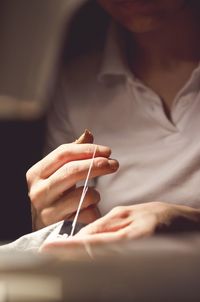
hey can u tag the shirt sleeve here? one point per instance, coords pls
(59, 129)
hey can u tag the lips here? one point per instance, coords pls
(130, 1)
(140, 6)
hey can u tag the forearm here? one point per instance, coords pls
(190, 213)
(184, 218)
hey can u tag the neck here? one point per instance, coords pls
(175, 41)
(167, 55)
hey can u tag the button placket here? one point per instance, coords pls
(153, 105)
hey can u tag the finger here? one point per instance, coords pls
(129, 233)
(112, 222)
(67, 176)
(88, 215)
(85, 138)
(75, 242)
(86, 247)
(68, 204)
(137, 232)
(62, 155)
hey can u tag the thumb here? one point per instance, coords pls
(85, 138)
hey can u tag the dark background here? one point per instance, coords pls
(21, 146)
(22, 142)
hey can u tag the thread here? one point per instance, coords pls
(85, 188)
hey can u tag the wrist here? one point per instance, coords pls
(180, 218)
(190, 213)
(188, 219)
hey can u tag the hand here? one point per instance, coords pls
(127, 223)
(52, 182)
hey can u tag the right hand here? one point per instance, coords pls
(52, 183)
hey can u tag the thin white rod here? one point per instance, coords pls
(85, 188)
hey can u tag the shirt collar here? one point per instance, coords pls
(114, 65)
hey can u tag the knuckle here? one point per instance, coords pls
(93, 196)
(61, 152)
(47, 217)
(117, 210)
(33, 196)
(101, 163)
(29, 176)
(72, 169)
(32, 175)
(36, 194)
(89, 150)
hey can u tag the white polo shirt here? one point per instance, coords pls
(159, 159)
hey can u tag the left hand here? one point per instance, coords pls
(127, 223)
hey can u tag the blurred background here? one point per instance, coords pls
(32, 47)
(31, 35)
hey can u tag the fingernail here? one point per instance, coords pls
(85, 138)
(114, 165)
(105, 150)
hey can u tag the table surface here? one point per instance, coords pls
(162, 268)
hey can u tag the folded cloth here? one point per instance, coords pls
(33, 241)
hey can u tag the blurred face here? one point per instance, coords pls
(142, 15)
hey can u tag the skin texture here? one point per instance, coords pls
(126, 223)
(159, 58)
(52, 182)
(163, 45)
(144, 15)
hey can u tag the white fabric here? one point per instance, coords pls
(32, 242)
(159, 159)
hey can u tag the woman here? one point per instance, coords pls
(139, 96)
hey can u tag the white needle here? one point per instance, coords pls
(85, 188)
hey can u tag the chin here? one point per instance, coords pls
(142, 25)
